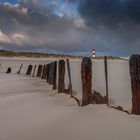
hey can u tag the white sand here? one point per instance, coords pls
(30, 110)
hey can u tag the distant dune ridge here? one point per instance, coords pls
(6, 53)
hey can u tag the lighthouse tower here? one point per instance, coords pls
(93, 53)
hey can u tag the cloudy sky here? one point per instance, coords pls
(74, 27)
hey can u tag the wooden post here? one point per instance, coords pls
(135, 83)
(34, 71)
(69, 75)
(48, 70)
(9, 70)
(39, 71)
(106, 79)
(49, 76)
(43, 73)
(29, 70)
(86, 76)
(55, 75)
(61, 76)
(51, 73)
(20, 69)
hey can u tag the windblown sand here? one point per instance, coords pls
(30, 110)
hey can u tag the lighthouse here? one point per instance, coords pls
(93, 53)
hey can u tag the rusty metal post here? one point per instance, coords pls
(135, 83)
(61, 76)
(106, 79)
(39, 71)
(55, 75)
(86, 76)
(29, 70)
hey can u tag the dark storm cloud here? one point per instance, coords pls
(110, 12)
(115, 22)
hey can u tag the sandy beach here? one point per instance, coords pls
(30, 110)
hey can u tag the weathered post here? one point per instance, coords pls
(106, 79)
(39, 71)
(8, 70)
(69, 75)
(61, 76)
(34, 71)
(20, 69)
(86, 76)
(47, 69)
(55, 75)
(43, 73)
(29, 70)
(135, 83)
(51, 73)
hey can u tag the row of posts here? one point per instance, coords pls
(134, 63)
(49, 72)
